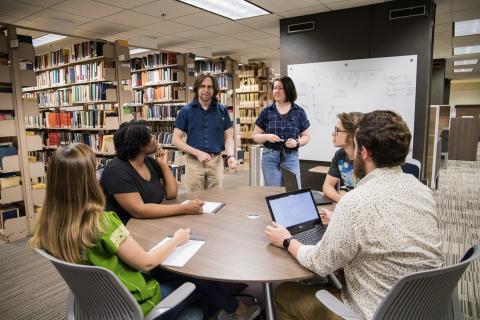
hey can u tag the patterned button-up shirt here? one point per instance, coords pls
(382, 230)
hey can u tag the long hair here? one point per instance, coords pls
(198, 81)
(350, 122)
(73, 206)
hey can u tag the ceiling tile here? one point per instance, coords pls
(442, 35)
(201, 19)
(349, 4)
(460, 5)
(126, 4)
(229, 28)
(32, 33)
(131, 18)
(273, 42)
(303, 12)
(7, 19)
(240, 45)
(262, 22)
(168, 27)
(284, 5)
(443, 6)
(169, 40)
(273, 31)
(43, 3)
(103, 28)
(443, 18)
(16, 9)
(195, 34)
(87, 34)
(143, 41)
(466, 15)
(442, 27)
(251, 35)
(171, 9)
(219, 40)
(466, 41)
(133, 33)
(86, 8)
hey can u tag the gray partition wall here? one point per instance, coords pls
(388, 29)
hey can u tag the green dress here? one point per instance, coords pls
(104, 254)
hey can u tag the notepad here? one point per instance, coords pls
(181, 254)
(210, 207)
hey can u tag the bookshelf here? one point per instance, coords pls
(17, 170)
(159, 82)
(253, 94)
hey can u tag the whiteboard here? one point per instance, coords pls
(324, 89)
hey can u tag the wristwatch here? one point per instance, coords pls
(286, 242)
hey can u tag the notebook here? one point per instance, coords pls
(180, 256)
(291, 184)
(210, 207)
(297, 212)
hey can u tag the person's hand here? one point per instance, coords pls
(325, 215)
(161, 156)
(194, 206)
(273, 138)
(181, 236)
(291, 143)
(232, 162)
(203, 156)
(276, 234)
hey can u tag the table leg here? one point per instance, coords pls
(269, 307)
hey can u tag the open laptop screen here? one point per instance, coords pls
(293, 208)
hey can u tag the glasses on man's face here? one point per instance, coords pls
(337, 130)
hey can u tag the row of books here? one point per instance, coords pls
(77, 119)
(98, 142)
(164, 137)
(250, 97)
(213, 66)
(160, 112)
(54, 98)
(248, 116)
(224, 81)
(91, 92)
(36, 121)
(75, 74)
(250, 84)
(165, 93)
(160, 76)
(155, 61)
(224, 98)
(73, 53)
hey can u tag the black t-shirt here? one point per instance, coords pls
(120, 177)
(342, 168)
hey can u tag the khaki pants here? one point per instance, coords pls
(297, 301)
(203, 175)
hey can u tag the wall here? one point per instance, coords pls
(367, 32)
(465, 92)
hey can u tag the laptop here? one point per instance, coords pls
(297, 212)
(291, 184)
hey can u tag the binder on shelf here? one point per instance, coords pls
(124, 54)
(38, 196)
(10, 163)
(7, 212)
(11, 194)
(125, 71)
(111, 123)
(7, 128)
(27, 78)
(26, 51)
(15, 229)
(37, 169)
(34, 143)
(111, 94)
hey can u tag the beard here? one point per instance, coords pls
(359, 169)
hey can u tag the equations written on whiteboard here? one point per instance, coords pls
(325, 89)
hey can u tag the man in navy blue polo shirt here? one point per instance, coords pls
(208, 128)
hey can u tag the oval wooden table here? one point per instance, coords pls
(236, 248)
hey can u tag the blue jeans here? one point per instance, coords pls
(271, 170)
(210, 290)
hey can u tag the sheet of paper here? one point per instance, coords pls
(209, 207)
(181, 254)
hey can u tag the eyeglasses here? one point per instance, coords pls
(337, 130)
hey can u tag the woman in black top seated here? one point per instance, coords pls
(135, 184)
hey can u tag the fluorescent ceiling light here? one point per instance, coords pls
(232, 9)
(466, 50)
(465, 62)
(138, 50)
(47, 39)
(466, 28)
(464, 70)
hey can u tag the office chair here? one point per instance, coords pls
(425, 295)
(97, 293)
(413, 167)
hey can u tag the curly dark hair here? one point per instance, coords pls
(386, 136)
(131, 137)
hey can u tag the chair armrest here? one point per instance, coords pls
(335, 305)
(170, 301)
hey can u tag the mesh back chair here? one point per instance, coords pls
(425, 295)
(97, 293)
(413, 167)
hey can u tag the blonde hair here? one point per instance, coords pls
(73, 206)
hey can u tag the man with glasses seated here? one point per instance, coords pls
(341, 167)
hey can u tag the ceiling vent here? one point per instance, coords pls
(301, 27)
(407, 12)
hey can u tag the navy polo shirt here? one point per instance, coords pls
(285, 126)
(204, 128)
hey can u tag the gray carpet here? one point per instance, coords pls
(30, 288)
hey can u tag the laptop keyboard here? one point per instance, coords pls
(311, 236)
